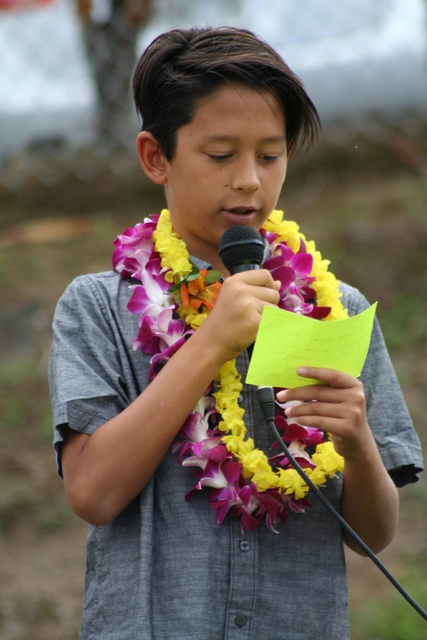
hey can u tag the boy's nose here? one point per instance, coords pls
(246, 176)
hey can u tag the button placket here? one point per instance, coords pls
(244, 553)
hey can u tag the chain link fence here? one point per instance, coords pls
(65, 103)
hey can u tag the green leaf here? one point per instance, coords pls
(213, 276)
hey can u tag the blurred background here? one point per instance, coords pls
(70, 182)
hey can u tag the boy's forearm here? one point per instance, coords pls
(370, 500)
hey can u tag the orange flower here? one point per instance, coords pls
(210, 294)
(197, 285)
(196, 293)
(184, 295)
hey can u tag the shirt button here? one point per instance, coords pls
(240, 620)
(244, 545)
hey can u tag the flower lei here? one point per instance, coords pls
(173, 300)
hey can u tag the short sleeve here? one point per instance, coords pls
(388, 416)
(91, 373)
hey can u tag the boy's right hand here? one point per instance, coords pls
(233, 323)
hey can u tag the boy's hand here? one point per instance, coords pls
(370, 503)
(233, 323)
(337, 406)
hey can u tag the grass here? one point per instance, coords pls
(397, 620)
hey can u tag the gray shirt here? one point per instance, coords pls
(163, 569)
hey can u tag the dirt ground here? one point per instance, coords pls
(366, 207)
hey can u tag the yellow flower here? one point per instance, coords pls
(232, 425)
(233, 444)
(246, 446)
(255, 463)
(172, 249)
(286, 230)
(266, 480)
(291, 481)
(316, 475)
(254, 460)
(328, 459)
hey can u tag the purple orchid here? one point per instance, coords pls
(293, 271)
(147, 261)
(297, 438)
(196, 436)
(156, 335)
(294, 431)
(226, 482)
(294, 301)
(159, 360)
(297, 506)
(257, 504)
(272, 504)
(219, 475)
(151, 297)
(298, 452)
(232, 500)
(132, 240)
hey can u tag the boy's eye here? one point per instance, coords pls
(268, 158)
(219, 157)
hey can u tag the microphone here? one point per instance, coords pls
(241, 248)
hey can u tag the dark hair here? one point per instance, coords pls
(183, 65)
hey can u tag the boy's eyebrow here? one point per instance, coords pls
(228, 138)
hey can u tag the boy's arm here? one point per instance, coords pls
(105, 471)
(370, 502)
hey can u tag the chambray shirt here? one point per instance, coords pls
(164, 569)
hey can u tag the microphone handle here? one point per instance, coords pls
(246, 266)
(249, 266)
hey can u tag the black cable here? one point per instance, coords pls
(267, 403)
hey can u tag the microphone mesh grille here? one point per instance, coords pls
(240, 245)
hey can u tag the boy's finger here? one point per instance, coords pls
(257, 278)
(331, 381)
(328, 376)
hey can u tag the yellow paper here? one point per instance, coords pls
(286, 341)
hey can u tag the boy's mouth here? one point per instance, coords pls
(242, 210)
(240, 215)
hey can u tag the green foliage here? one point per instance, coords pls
(405, 325)
(24, 398)
(54, 518)
(396, 619)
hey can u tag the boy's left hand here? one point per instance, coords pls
(337, 406)
(370, 503)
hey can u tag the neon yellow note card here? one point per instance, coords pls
(286, 341)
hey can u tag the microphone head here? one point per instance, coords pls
(241, 248)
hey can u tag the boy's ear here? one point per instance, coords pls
(151, 158)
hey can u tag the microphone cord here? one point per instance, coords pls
(268, 408)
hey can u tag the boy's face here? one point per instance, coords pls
(229, 167)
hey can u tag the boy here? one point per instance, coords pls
(221, 113)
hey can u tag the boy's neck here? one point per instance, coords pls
(209, 254)
(216, 262)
